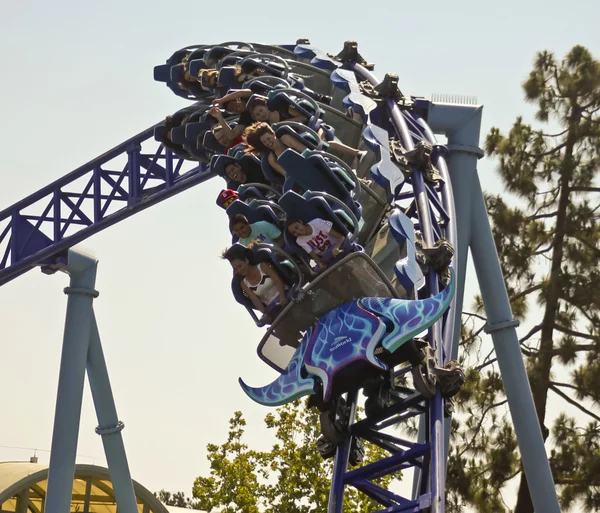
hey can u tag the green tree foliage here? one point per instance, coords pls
(177, 499)
(547, 233)
(290, 478)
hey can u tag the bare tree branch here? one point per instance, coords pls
(549, 152)
(484, 365)
(472, 337)
(566, 385)
(556, 135)
(470, 314)
(567, 331)
(585, 189)
(573, 402)
(525, 292)
(542, 216)
(531, 333)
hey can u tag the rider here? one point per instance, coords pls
(226, 197)
(251, 233)
(261, 283)
(261, 137)
(317, 238)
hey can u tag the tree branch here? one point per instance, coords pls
(578, 482)
(543, 251)
(484, 365)
(557, 135)
(525, 292)
(567, 331)
(480, 423)
(549, 152)
(472, 337)
(585, 189)
(470, 314)
(542, 216)
(487, 361)
(573, 402)
(531, 333)
(566, 385)
(587, 244)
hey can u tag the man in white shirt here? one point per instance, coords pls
(316, 237)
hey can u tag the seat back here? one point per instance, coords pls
(305, 138)
(196, 66)
(162, 72)
(254, 212)
(218, 164)
(216, 53)
(194, 130)
(278, 100)
(250, 163)
(160, 132)
(250, 64)
(227, 78)
(210, 143)
(313, 174)
(177, 75)
(273, 176)
(240, 297)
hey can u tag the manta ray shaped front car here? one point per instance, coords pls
(348, 334)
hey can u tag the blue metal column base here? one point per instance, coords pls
(109, 426)
(82, 270)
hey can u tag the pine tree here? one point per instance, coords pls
(547, 233)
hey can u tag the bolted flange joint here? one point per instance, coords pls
(111, 430)
(499, 326)
(83, 292)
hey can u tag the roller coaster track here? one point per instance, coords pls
(139, 173)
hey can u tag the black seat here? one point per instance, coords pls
(254, 212)
(315, 174)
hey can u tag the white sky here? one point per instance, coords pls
(77, 80)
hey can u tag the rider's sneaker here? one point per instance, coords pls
(326, 448)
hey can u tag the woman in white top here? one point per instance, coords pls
(262, 284)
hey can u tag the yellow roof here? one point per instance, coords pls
(91, 483)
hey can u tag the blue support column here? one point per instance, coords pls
(461, 124)
(109, 426)
(82, 269)
(502, 327)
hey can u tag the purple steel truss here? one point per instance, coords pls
(433, 214)
(131, 177)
